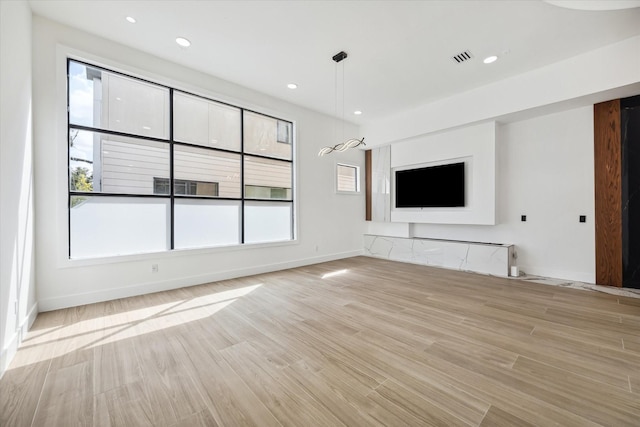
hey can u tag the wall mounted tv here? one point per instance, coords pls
(439, 186)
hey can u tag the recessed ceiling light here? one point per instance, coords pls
(131, 19)
(357, 112)
(490, 59)
(183, 42)
(292, 86)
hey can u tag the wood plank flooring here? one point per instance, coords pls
(355, 342)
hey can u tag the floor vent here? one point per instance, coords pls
(462, 57)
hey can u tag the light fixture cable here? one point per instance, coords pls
(335, 96)
(352, 142)
(343, 95)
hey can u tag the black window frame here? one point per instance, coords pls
(172, 196)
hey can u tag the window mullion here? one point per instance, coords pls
(242, 195)
(171, 174)
(68, 162)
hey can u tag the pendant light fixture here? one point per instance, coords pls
(352, 142)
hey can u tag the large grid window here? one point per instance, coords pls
(152, 168)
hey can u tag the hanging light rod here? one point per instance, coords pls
(352, 142)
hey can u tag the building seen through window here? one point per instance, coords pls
(152, 168)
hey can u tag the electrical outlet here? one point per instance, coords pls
(583, 218)
(523, 218)
(154, 268)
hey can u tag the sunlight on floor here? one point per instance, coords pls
(57, 341)
(335, 273)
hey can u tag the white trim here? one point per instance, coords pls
(168, 254)
(10, 350)
(66, 301)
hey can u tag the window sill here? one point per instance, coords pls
(115, 259)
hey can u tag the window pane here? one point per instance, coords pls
(202, 172)
(202, 223)
(267, 179)
(203, 122)
(347, 177)
(267, 221)
(106, 100)
(267, 136)
(185, 187)
(114, 164)
(107, 226)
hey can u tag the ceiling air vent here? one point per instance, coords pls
(462, 57)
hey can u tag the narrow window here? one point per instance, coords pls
(347, 178)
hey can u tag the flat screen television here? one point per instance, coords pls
(439, 186)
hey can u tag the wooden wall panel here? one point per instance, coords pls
(608, 193)
(367, 180)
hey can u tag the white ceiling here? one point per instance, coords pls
(399, 51)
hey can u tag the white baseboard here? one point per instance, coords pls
(570, 276)
(74, 300)
(574, 276)
(9, 351)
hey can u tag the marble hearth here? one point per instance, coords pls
(485, 258)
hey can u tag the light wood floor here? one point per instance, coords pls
(356, 342)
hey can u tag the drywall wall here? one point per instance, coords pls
(544, 170)
(610, 72)
(18, 306)
(473, 145)
(329, 225)
(544, 155)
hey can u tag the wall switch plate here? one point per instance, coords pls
(583, 218)
(523, 218)
(154, 268)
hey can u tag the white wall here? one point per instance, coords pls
(17, 284)
(544, 171)
(330, 225)
(473, 145)
(544, 155)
